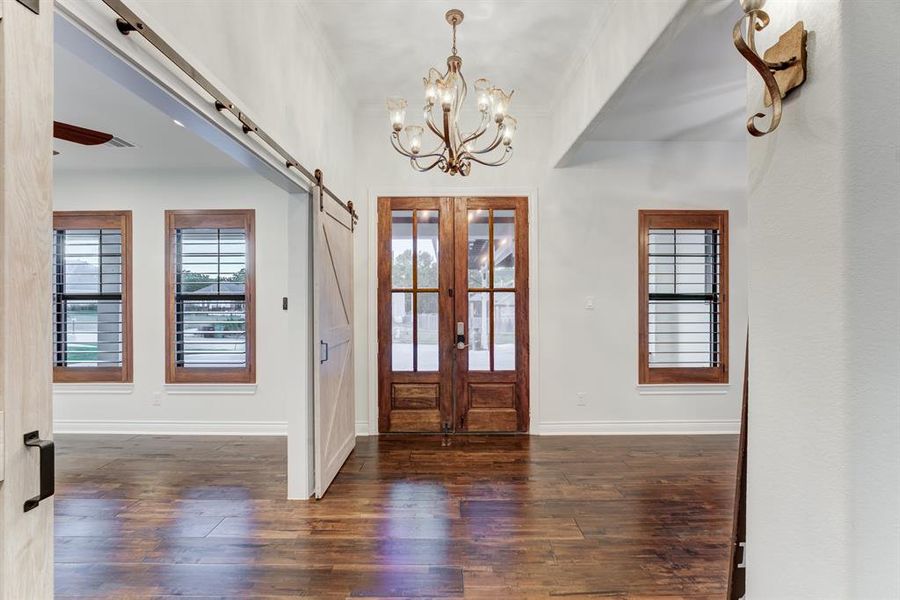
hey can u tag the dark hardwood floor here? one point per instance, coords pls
(487, 517)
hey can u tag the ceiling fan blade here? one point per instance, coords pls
(79, 135)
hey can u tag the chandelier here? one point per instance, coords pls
(445, 94)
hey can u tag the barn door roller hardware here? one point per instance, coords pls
(129, 22)
(782, 67)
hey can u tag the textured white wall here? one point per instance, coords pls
(585, 228)
(824, 430)
(132, 408)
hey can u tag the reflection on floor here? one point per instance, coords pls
(487, 517)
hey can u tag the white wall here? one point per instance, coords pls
(149, 405)
(824, 429)
(589, 248)
(584, 238)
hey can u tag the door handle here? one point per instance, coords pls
(48, 467)
(461, 335)
(323, 344)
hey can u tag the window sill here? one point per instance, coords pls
(211, 389)
(93, 388)
(683, 389)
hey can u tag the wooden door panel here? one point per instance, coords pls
(491, 252)
(415, 396)
(491, 393)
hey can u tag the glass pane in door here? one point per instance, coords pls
(504, 331)
(504, 248)
(401, 332)
(479, 249)
(427, 248)
(401, 249)
(427, 331)
(479, 328)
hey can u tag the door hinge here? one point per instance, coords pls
(284, 303)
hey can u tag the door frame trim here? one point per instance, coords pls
(365, 302)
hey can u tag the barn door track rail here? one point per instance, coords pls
(128, 22)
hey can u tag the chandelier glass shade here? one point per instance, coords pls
(489, 144)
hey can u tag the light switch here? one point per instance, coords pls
(589, 303)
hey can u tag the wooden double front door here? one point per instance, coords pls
(452, 314)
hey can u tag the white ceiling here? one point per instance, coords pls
(384, 48)
(85, 97)
(690, 86)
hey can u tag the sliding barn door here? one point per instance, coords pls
(26, 454)
(335, 414)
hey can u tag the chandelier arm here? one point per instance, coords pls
(493, 145)
(498, 163)
(480, 131)
(460, 100)
(415, 164)
(398, 145)
(429, 120)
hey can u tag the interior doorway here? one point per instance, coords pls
(453, 322)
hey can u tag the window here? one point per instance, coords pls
(92, 297)
(683, 296)
(210, 296)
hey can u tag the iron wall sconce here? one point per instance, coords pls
(782, 67)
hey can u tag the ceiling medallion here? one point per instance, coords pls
(455, 151)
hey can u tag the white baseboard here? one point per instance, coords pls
(638, 427)
(274, 428)
(362, 428)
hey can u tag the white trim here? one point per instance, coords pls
(210, 389)
(655, 389)
(362, 428)
(533, 286)
(723, 426)
(92, 388)
(133, 427)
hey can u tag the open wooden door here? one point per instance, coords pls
(26, 454)
(334, 403)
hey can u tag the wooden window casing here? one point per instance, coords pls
(71, 224)
(715, 298)
(178, 224)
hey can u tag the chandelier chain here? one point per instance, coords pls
(454, 38)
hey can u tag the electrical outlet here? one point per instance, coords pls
(157, 399)
(589, 303)
(581, 399)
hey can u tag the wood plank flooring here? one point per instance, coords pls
(486, 517)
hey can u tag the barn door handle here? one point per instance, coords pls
(323, 345)
(48, 468)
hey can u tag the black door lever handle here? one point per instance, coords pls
(48, 468)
